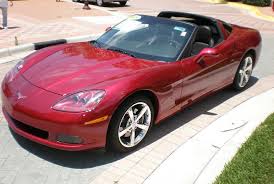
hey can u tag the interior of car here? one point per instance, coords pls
(208, 34)
(149, 38)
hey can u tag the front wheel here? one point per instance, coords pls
(243, 73)
(123, 3)
(130, 124)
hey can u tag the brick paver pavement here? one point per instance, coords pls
(220, 11)
(34, 21)
(33, 26)
(24, 162)
(174, 132)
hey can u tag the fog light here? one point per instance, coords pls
(69, 139)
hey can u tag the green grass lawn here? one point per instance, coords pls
(254, 162)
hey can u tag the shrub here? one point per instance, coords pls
(258, 2)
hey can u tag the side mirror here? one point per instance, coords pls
(107, 29)
(206, 52)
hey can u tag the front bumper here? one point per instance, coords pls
(33, 118)
(46, 141)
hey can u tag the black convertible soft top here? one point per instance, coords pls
(170, 14)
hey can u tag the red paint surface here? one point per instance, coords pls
(53, 72)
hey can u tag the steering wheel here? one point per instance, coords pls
(174, 43)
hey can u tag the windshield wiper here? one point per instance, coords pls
(121, 51)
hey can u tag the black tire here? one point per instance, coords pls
(123, 3)
(113, 141)
(100, 2)
(237, 79)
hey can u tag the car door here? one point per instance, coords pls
(205, 73)
(168, 80)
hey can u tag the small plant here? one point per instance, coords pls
(258, 2)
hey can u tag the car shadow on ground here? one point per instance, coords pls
(93, 158)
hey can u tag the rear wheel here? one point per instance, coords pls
(244, 72)
(123, 3)
(130, 124)
(100, 2)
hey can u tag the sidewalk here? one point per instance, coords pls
(204, 156)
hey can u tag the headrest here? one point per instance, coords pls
(204, 34)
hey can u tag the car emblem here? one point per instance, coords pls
(20, 96)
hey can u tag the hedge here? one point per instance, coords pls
(258, 2)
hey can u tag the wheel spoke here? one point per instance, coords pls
(241, 78)
(123, 132)
(248, 68)
(143, 111)
(131, 116)
(246, 77)
(246, 63)
(142, 126)
(132, 137)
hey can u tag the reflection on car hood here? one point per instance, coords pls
(80, 65)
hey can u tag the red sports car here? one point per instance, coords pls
(110, 91)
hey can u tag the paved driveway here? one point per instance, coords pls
(22, 161)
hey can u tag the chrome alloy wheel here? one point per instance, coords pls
(134, 124)
(245, 72)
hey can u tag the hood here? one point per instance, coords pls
(80, 65)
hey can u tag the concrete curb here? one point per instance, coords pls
(14, 50)
(39, 45)
(203, 157)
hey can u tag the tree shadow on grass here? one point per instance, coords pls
(93, 158)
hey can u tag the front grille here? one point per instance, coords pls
(29, 129)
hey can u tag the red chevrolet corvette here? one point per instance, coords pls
(110, 91)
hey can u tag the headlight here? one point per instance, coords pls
(84, 101)
(14, 71)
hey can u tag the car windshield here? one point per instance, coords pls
(147, 37)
